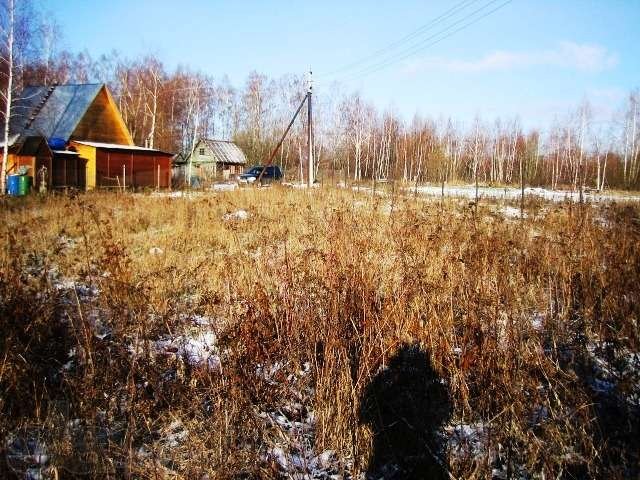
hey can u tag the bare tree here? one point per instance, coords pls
(8, 37)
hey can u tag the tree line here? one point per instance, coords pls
(170, 109)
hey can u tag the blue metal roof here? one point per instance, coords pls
(52, 112)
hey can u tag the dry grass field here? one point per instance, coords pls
(323, 334)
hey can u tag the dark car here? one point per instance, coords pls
(272, 173)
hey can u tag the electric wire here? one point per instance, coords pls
(423, 44)
(448, 14)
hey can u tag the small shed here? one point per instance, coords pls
(212, 159)
(31, 153)
(59, 168)
(113, 165)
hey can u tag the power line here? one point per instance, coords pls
(424, 44)
(449, 13)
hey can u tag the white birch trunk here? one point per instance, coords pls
(8, 98)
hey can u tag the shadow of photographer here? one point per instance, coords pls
(406, 405)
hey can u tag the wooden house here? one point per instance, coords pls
(77, 133)
(212, 159)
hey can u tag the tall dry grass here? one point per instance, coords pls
(529, 323)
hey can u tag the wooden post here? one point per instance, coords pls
(284, 135)
(521, 187)
(124, 177)
(310, 131)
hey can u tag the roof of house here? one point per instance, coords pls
(31, 145)
(117, 146)
(52, 111)
(225, 152)
(66, 152)
(11, 141)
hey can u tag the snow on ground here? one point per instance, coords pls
(197, 349)
(224, 187)
(537, 321)
(26, 454)
(198, 320)
(614, 368)
(293, 426)
(466, 439)
(293, 420)
(514, 193)
(237, 215)
(83, 291)
(511, 212)
(177, 194)
(300, 185)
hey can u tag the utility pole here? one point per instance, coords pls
(307, 98)
(310, 129)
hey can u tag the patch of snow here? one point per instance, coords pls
(603, 222)
(511, 212)
(85, 292)
(537, 321)
(66, 243)
(198, 320)
(277, 454)
(198, 350)
(176, 194)
(612, 373)
(155, 251)
(26, 453)
(467, 438)
(224, 187)
(512, 193)
(175, 434)
(294, 424)
(294, 185)
(388, 209)
(238, 215)
(268, 373)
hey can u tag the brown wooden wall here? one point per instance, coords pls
(141, 169)
(68, 171)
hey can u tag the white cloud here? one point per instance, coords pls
(569, 55)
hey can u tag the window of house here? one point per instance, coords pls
(202, 151)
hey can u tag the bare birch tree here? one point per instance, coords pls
(7, 31)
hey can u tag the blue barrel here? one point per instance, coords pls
(13, 185)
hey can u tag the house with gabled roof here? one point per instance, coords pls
(211, 159)
(77, 135)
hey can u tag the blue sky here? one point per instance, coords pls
(532, 58)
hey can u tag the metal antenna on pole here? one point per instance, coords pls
(310, 129)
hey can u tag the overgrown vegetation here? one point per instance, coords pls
(145, 337)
